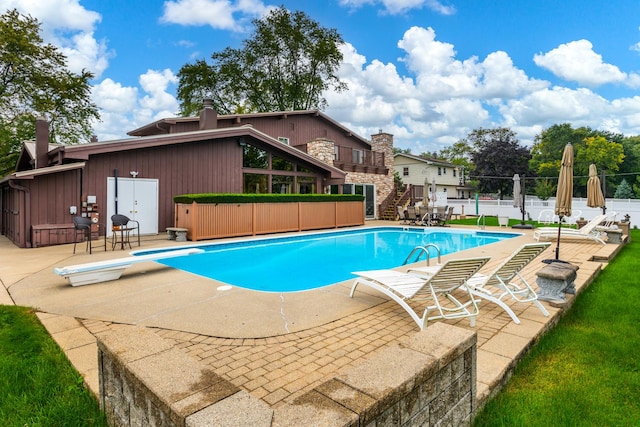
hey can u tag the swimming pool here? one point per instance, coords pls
(303, 262)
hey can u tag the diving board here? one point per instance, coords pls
(103, 271)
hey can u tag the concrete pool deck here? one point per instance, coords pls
(274, 346)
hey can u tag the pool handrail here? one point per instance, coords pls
(483, 226)
(423, 249)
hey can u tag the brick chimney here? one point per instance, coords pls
(42, 142)
(208, 115)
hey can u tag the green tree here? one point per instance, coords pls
(631, 163)
(624, 191)
(545, 189)
(497, 158)
(547, 149)
(606, 155)
(460, 153)
(287, 64)
(35, 81)
(397, 150)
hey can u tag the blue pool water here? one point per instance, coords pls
(288, 264)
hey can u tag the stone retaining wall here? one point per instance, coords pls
(428, 380)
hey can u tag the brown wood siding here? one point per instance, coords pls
(50, 205)
(199, 167)
(300, 129)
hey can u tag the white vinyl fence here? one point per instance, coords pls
(534, 206)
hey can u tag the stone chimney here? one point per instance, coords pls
(382, 142)
(42, 142)
(208, 115)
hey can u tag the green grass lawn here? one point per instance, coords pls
(38, 385)
(586, 371)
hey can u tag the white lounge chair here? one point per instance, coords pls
(428, 292)
(103, 271)
(587, 232)
(505, 279)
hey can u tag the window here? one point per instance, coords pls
(253, 183)
(405, 171)
(281, 184)
(283, 139)
(254, 157)
(439, 170)
(306, 184)
(358, 156)
(454, 173)
(336, 152)
(280, 164)
(444, 171)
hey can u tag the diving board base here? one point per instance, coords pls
(98, 276)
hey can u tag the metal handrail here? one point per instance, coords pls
(420, 250)
(481, 217)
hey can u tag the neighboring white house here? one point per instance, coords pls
(420, 172)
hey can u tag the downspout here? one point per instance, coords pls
(26, 213)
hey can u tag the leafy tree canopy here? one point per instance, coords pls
(35, 81)
(604, 154)
(288, 62)
(460, 153)
(497, 157)
(547, 149)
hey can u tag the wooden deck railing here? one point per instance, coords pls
(212, 221)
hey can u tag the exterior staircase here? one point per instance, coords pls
(390, 212)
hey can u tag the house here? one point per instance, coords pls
(420, 172)
(283, 152)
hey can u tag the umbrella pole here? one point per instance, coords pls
(604, 192)
(522, 208)
(558, 243)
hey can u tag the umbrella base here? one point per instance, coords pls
(522, 226)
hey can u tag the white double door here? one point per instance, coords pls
(137, 198)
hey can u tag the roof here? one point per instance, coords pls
(158, 126)
(427, 160)
(29, 174)
(83, 151)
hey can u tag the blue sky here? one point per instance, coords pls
(427, 71)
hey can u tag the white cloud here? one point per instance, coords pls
(396, 7)
(555, 105)
(576, 61)
(156, 83)
(122, 109)
(218, 14)
(112, 96)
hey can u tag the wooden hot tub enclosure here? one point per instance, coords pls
(211, 216)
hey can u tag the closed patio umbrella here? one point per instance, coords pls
(434, 198)
(564, 193)
(595, 199)
(517, 199)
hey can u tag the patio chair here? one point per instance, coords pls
(587, 232)
(434, 294)
(88, 230)
(403, 214)
(547, 216)
(506, 281)
(423, 212)
(572, 220)
(121, 224)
